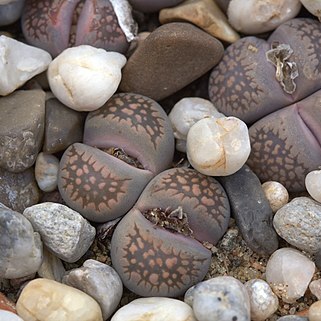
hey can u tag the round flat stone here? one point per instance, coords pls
(170, 58)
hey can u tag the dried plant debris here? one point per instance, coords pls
(172, 220)
(122, 155)
(286, 70)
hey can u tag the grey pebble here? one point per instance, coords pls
(222, 298)
(251, 210)
(22, 122)
(18, 190)
(100, 281)
(299, 223)
(20, 246)
(64, 231)
(292, 318)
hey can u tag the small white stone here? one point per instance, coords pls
(315, 288)
(100, 281)
(48, 300)
(46, 172)
(289, 273)
(84, 77)
(218, 146)
(313, 6)
(313, 184)
(257, 16)
(155, 309)
(19, 63)
(276, 194)
(186, 113)
(263, 301)
(64, 231)
(9, 316)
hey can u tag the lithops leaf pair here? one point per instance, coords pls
(54, 25)
(157, 247)
(126, 143)
(256, 78)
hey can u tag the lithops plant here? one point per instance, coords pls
(256, 78)
(126, 143)
(157, 247)
(55, 25)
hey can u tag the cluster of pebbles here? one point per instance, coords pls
(160, 160)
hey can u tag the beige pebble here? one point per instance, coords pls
(276, 194)
(48, 300)
(313, 184)
(315, 288)
(315, 311)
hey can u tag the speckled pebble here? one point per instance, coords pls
(299, 223)
(221, 298)
(46, 172)
(100, 281)
(263, 301)
(289, 273)
(292, 318)
(64, 231)
(276, 194)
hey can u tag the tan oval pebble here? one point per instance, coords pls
(315, 311)
(48, 300)
(276, 194)
(313, 184)
(315, 288)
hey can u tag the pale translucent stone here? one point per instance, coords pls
(46, 172)
(186, 113)
(289, 273)
(315, 311)
(9, 316)
(313, 6)
(222, 298)
(299, 223)
(51, 267)
(84, 77)
(315, 288)
(313, 184)
(263, 301)
(64, 231)
(48, 300)
(100, 281)
(218, 146)
(257, 16)
(19, 63)
(154, 309)
(276, 194)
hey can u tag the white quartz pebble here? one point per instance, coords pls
(100, 281)
(299, 223)
(84, 77)
(315, 288)
(19, 63)
(289, 273)
(313, 6)
(257, 16)
(218, 146)
(46, 172)
(9, 316)
(155, 309)
(276, 194)
(186, 113)
(313, 184)
(263, 301)
(64, 231)
(48, 300)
